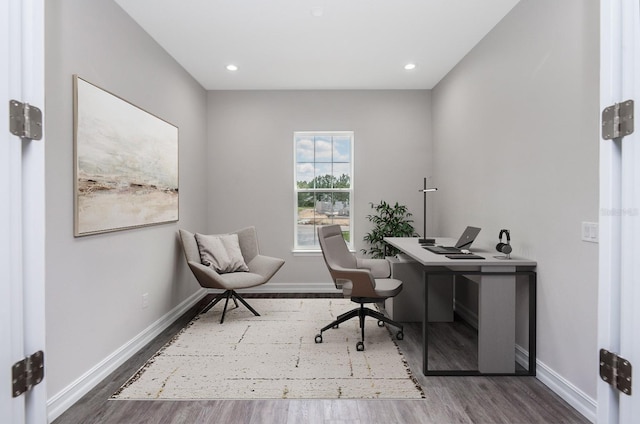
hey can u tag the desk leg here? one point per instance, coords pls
(496, 321)
(425, 324)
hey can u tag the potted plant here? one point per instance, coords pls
(389, 221)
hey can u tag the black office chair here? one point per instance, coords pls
(363, 280)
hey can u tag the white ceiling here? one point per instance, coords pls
(354, 44)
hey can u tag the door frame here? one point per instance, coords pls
(10, 325)
(23, 211)
(618, 322)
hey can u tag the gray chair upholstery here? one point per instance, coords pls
(362, 280)
(261, 269)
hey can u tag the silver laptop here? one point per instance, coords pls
(464, 242)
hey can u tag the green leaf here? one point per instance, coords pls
(389, 221)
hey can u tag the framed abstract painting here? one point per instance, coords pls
(126, 163)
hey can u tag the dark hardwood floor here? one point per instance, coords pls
(448, 399)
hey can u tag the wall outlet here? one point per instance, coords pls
(590, 232)
(145, 300)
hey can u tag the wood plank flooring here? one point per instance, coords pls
(448, 399)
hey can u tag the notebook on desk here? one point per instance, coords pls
(464, 242)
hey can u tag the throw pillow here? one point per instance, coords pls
(221, 252)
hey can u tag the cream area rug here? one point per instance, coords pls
(274, 356)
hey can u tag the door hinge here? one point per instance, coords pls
(617, 120)
(616, 371)
(27, 373)
(25, 121)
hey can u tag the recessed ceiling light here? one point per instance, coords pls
(317, 11)
(232, 67)
(410, 66)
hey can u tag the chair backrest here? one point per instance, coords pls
(192, 254)
(336, 255)
(189, 246)
(248, 240)
(334, 248)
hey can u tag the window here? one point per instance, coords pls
(323, 184)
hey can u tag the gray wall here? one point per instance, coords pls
(516, 146)
(250, 161)
(514, 137)
(94, 284)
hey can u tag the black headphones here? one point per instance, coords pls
(504, 247)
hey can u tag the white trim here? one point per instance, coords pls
(555, 382)
(466, 314)
(316, 252)
(619, 62)
(76, 390)
(575, 397)
(629, 314)
(25, 199)
(300, 252)
(11, 313)
(351, 134)
(64, 399)
(319, 287)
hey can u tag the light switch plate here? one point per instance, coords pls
(590, 232)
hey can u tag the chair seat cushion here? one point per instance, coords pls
(241, 280)
(385, 287)
(221, 252)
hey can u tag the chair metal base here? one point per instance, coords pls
(361, 313)
(229, 294)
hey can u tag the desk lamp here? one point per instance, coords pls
(424, 191)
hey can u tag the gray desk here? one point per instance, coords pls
(408, 305)
(496, 279)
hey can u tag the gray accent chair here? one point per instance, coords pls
(261, 269)
(360, 279)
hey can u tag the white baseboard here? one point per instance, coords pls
(467, 314)
(323, 287)
(63, 400)
(554, 381)
(575, 397)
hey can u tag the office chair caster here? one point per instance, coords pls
(360, 346)
(399, 335)
(318, 338)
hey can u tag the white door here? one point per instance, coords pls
(21, 208)
(619, 293)
(9, 329)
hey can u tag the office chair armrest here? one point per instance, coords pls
(362, 280)
(206, 276)
(265, 266)
(380, 268)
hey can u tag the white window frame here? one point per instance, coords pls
(315, 249)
